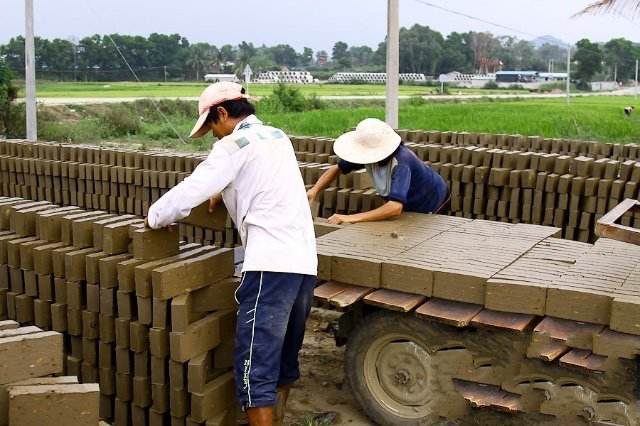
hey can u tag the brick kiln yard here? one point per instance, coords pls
(90, 296)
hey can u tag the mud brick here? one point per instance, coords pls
(76, 294)
(42, 313)
(31, 355)
(110, 270)
(75, 263)
(141, 391)
(159, 370)
(139, 415)
(141, 364)
(30, 283)
(124, 361)
(126, 305)
(24, 309)
(42, 258)
(161, 313)
(60, 290)
(107, 301)
(107, 329)
(26, 253)
(24, 220)
(115, 236)
(217, 394)
(5, 280)
(92, 270)
(143, 272)
(69, 404)
(90, 325)
(59, 317)
(625, 315)
(191, 274)
(159, 342)
(145, 310)
(74, 321)
(139, 337)
(66, 227)
(631, 190)
(179, 405)
(182, 313)
(58, 261)
(198, 337)
(149, 244)
(124, 388)
(407, 276)
(13, 250)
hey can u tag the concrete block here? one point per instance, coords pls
(32, 355)
(150, 244)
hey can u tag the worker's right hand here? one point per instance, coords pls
(213, 202)
(311, 195)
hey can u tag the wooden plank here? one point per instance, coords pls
(449, 312)
(607, 228)
(350, 296)
(584, 360)
(488, 396)
(394, 300)
(326, 291)
(505, 320)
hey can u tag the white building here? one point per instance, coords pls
(216, 78)
(286, 77)
(372, 77)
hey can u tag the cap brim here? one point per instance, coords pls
(347, 148)
(200, 129)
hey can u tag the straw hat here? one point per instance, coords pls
(372, 141)
(213, 96)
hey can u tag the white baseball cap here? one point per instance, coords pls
(213, 96)
(372, 141)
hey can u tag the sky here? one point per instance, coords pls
(313, 23)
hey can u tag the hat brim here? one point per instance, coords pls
(349, 148)
(200, 129)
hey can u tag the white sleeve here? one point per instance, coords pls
(210, 178)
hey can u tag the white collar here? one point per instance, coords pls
(252, 119)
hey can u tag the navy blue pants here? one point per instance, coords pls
(273, 309)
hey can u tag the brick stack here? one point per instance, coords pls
(516, 179)
(148, 317)
(27, 397)
(514, 268)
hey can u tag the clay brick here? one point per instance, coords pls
(217, 394)
(191, 274)
(200, 216)
(115, 236)
(75, 263)
(198, 338)
(153, 244)
(32, 355)
(42, 258)
(109, 267)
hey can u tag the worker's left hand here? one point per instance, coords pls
(339, 219)
(213, 202)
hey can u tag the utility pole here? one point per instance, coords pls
(30, 72)
(615, 72)
(636, 79)
(393, 62)
(568, 74)
(165, 73)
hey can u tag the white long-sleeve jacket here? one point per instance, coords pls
(256, 171)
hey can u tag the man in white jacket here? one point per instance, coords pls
(254, 170)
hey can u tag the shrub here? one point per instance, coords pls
(290, 99)
(121, 120)
(491, 85)
(8, 92)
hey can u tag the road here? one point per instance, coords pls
(93, 101)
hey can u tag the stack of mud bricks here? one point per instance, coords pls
(31, 390)
(505, 267)
(516, 179)
(149, 317)
(113, 180)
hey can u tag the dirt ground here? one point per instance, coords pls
(322, 391)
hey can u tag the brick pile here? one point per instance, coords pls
(29, 395)
(504, 267)
(147, 316)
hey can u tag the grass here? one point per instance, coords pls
(589, 118)
(131, 89)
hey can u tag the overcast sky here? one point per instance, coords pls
(314, 23)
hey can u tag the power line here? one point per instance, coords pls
(475, 18)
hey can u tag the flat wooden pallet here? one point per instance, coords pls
(457, 314)
(584, 360)
(488, 396)
(504, 320)
(394, 300)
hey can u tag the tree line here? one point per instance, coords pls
(422, 50)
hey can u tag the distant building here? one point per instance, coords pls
(372, 77)
(322, 58)
(467, 80)
(286, 77)
(529, 77)
(215, 78)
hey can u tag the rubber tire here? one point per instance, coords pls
(375, 325)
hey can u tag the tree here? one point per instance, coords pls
(420, 49)
(589, 57)
(361, 55)
(284, 55)
(618, 6)
(340, 54)
(306, 58)
(8, 93)
(622, 54)
(200, 57)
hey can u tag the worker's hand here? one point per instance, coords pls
(170, 228)
(339, 219)
(213, 202)
(311, 195)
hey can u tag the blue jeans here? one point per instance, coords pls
(273, 309)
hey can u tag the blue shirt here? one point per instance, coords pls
(413, 183)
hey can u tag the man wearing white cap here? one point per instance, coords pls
(399, 176)
(254, 169)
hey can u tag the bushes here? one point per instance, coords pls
(492, 85)
(8, 93)
(121, 120)
(290, 99)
